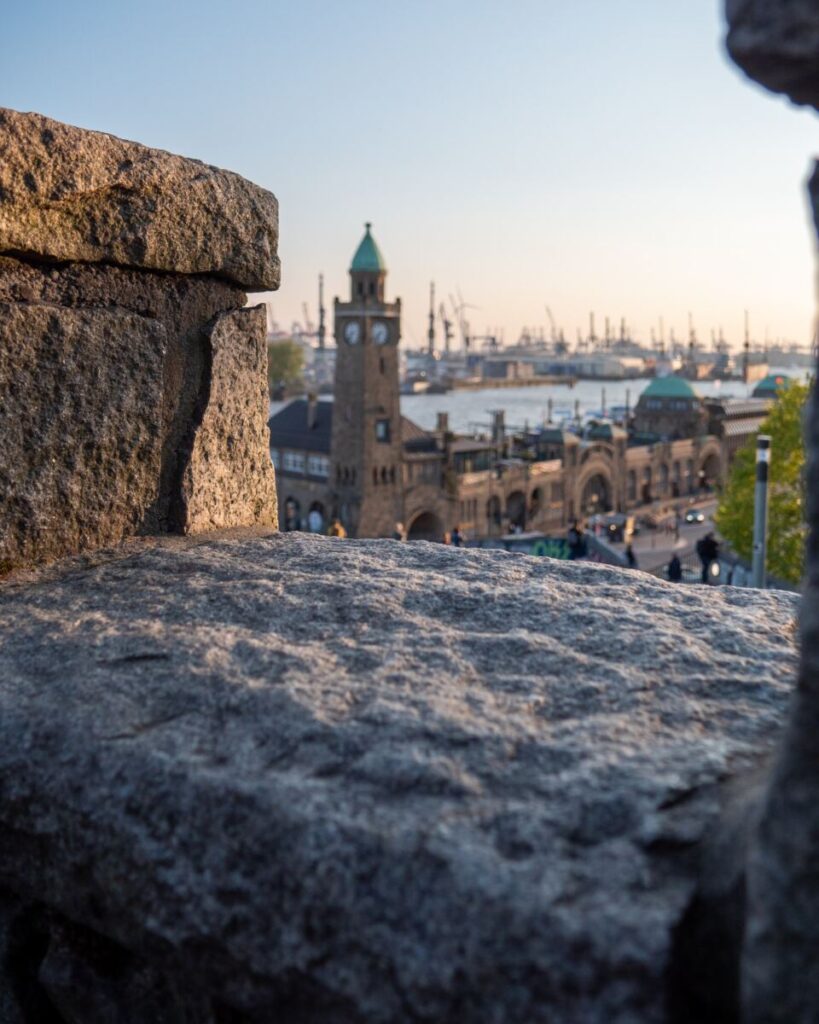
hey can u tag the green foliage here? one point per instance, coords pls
(786, 486)
(285, 365)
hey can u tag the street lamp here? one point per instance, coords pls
(763, 459)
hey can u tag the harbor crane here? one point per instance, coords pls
(458, 312)
(447, 326)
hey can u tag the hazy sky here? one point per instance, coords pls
(585, 154)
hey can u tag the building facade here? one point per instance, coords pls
(359, 460)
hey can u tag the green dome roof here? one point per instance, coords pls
(772, 383)
(669, 387)
(368, 256)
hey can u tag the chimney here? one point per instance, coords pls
(442, 423)
(312, 409)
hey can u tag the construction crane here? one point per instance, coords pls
(431, 330)
(553, 333)
(447, 326)
(322, 330)
(458, 312)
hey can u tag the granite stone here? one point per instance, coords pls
(68, 194)
(302, 779)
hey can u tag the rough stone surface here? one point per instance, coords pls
(80, 422)
(165, 323)
(776, 42)
(68, 194)
(229, 478)
(342, 781)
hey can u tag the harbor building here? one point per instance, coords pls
(358, 459)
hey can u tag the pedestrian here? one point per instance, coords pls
(336, 529)
(675, 569)
(631, 558)
(315, 521)
(455, 536)
(708, 551)
(576, 540)
(399, 533)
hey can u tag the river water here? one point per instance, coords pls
(472, 410)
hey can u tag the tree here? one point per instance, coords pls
(786, 490)
(285, 365)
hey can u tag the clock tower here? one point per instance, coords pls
(365, 452)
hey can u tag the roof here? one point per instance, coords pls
(368, 256)
(288, 427)
(771, 384)
(669, 387)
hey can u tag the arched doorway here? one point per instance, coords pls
(516, 510)
(493, 516)
(596, 495)
(535, 503)
(316, 518)
(709, 475)
(425, 526)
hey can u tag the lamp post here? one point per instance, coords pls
(763, 460)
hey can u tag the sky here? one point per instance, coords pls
(583, 155)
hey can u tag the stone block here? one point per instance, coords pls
(311, 781)
(229, 480)
(777, 44)
(67, 194)
(81, 396)
(40, 520)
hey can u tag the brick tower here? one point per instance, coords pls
(366, 470)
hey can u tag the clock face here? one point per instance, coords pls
(352, 332)
(380, 332)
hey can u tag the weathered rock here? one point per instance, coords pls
(80, 419)
(71, 194)
(229, 478)
(82, 507)
(776, 42)
(337, 781)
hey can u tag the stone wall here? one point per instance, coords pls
(132, 384)
(311, 781)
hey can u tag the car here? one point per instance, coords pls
(694, 515)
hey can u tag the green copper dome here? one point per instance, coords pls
(368, 256)
(771, 385)
(669, 387)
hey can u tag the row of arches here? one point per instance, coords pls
(596, 492)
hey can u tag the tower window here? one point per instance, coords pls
(372, 287)
(382, 430)
(361, 289)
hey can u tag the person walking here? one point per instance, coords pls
(675, 569)
(336, 529)
(631, 558)
(456, 537)
(708, 551)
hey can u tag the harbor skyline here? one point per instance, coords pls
(581, 157)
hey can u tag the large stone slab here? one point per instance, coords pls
(71, 194)
(187, 401)
(81, 396)
(298, 779)
(229, 479)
